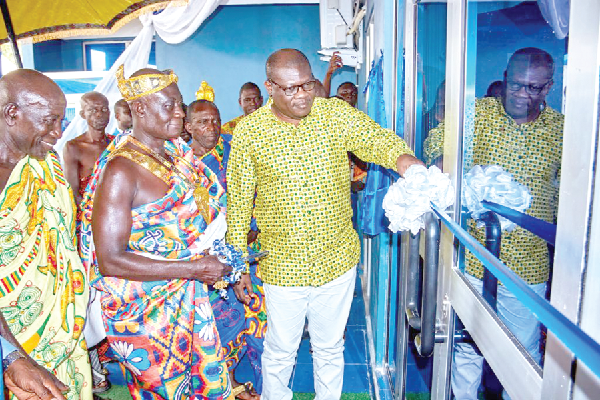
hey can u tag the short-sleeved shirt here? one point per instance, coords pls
(532, 153)
(302, 184)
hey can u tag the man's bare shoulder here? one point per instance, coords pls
(121, 169)
(76, 144)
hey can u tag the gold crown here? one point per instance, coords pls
(205, 92)
(143, 85)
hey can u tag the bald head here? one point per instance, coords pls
(199, 105)
(33, 107)
(95, 111)
(285, 59)
(291, 85)
(146, 71)
(28, 87)
(91, 97)
(531, 58)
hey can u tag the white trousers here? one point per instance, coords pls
(327, 308)
(467, 365)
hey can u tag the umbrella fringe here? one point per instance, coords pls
(65, 31)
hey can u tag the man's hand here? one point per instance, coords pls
(335, 63)
(211, 270)
(405, 161)
(29, 381)
(243, 289)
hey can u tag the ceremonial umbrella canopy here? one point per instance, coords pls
(41, 20)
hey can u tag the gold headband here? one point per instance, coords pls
(205, 92)
(143, 85)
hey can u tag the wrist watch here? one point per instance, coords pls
(10, 358)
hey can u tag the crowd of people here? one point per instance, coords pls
(109, 254)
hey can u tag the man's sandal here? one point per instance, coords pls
(246, 388)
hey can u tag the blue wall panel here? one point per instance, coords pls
(231, 48)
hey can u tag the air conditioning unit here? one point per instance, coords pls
(341, 22)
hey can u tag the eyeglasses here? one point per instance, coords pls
(292, 90)
(529, 89)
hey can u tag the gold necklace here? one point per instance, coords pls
(200, 193)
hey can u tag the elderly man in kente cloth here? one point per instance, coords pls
(293, 153)
(43, 285)
(147, 225)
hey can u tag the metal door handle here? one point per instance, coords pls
(424, 320)
(414, 280)
(425, 341)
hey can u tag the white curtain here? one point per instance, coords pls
(173, 25)
(556, 13)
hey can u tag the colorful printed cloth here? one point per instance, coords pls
(163, 332)
(241, 328)
(43, 286)
(229, 127)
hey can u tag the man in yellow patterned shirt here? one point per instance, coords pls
(293, 153)
(518, 132)
(250, 100)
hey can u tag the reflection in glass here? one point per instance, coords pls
(431, 71)
(512, 91)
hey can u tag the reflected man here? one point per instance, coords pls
(518, 132)
(293, 153)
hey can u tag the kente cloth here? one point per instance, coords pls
(214, 163)
(83, 183)
(297, 184)
(163, 333)
(532, 153)
(228, 127)
(85, 180)
(241, 327)
(43, 285)
(94, 331)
